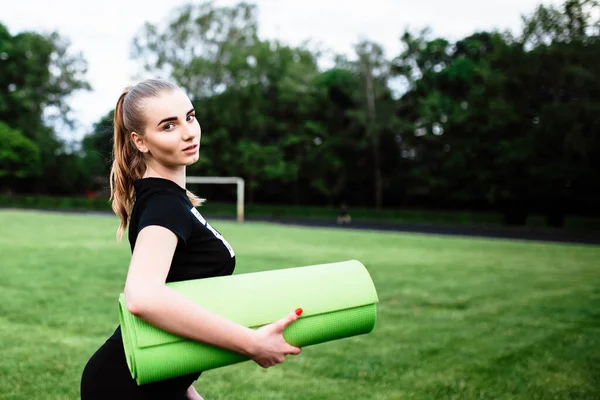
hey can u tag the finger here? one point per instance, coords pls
(288, 319)
(293, 350)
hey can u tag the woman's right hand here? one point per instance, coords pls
(271, 348)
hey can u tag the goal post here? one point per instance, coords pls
(225, 180)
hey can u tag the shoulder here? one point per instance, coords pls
(163, 202)
(151, 193)
(166, 208)
(157, 197)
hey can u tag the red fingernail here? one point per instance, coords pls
(298, 311)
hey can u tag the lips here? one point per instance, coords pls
(192, 147)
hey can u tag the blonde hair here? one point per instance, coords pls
(128, 162)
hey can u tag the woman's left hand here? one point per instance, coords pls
(192, 394)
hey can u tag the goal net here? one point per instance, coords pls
(225, 180)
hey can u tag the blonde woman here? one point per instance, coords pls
(156, 135)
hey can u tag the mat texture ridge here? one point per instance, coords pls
(338, 301)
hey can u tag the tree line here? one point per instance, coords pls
(494, 121)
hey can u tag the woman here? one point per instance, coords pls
(156, 136)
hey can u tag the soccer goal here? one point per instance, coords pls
(225, 180)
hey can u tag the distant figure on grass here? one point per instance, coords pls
(344, 215)
(156, 135)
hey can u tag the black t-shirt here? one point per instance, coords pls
(201, 252)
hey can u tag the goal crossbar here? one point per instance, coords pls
(225, 180)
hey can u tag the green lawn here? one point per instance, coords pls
(459, 318)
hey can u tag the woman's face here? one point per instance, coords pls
(172, 134)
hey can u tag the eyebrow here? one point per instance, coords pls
(174, 118)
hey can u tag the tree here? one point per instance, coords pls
(494, 120)
(202, 47)
(372, 110)
(371, 61)
(40, 73)
(564, 84)
(97, 149)
(254, 97)
(572, 21)
(514, 117)
(19, 157)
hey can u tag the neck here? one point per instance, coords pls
(158, 171)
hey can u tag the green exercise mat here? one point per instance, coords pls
(338, 301)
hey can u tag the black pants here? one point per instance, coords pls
(106, 376)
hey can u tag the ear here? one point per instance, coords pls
(139, 142)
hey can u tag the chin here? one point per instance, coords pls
(191, 160)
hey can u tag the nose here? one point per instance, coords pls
(188, 132)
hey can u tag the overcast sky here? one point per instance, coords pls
(103, 30)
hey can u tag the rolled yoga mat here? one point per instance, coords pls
(338, 301)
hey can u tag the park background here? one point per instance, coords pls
(496, 127)
(436, 117)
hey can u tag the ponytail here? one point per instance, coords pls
(195, 200)
(127, 166)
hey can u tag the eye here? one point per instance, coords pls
(168, 127)
(191, 117)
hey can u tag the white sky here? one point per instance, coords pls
(103, 30)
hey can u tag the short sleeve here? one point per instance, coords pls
(168, 211)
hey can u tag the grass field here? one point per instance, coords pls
(459, 318)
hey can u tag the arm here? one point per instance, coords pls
(147, 297)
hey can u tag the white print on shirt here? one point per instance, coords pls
(217, 234)
(198, 215)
